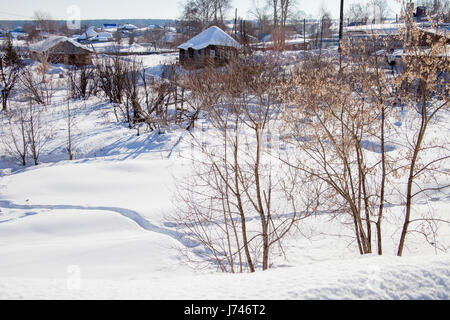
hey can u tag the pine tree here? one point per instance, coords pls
(10, 66)
(10, 56)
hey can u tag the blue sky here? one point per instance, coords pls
(142, 9)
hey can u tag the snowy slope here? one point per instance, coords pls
(97, 228)
(105, 218)
(77, 215)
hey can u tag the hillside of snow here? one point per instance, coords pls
(97, 227)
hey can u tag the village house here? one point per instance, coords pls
(63, 50)
(93, 36)
(211, 47)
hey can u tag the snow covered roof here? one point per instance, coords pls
(104, 35)
(128, 26)
(388, 28)
(211, 36)
(89, 34)
(154, 26)
(49, 43)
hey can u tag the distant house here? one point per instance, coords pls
(59, 49)
(127, 27)
(420, 14)
(211, 47)
(373, 37)
(155, 27)
(88, 35)
(93, 36)
(109, 27)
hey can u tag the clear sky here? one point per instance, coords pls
(144, 9)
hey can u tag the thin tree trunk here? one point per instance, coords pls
(412, 168)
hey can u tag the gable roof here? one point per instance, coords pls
(211, 36)
(47, 44)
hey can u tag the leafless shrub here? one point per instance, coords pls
(235, 204)
(14, 135)
(425, 75)
(26, 133)
(37, 84)
(38, 132)
(70, 122)
(342, 122)
(81, 82)
(111, 76)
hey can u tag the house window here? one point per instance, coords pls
(221, 54)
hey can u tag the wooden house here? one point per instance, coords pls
(61, 50)
(212, 47)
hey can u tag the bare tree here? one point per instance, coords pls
(322, 29)
(132, 93)
(358, 12)
(31, 86)
(380, 10)
(70, 121)
(220, 10)
(45, 22)
(330, 138)
(26, 132)
(189, 22)
(228, 205)
(200, 14)
(261, 14)
(154, 36)
(111, 75)
(38, 133)
(159, 95)
(81, 82)
(344, 125)
(439, 10)
(281, 10)
(118, 38)
(31, 30)
(131, 39)
(423, 87)
(14, 135)
(37, 84)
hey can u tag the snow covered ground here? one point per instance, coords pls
(96, 228)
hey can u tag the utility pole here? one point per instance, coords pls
(341, 31)
(321, 37)
(235, 23)
(304, 34)
(341, 22)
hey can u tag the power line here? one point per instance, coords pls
(15, 15)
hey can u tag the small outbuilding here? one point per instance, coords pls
(211, 47)
(63, 50)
